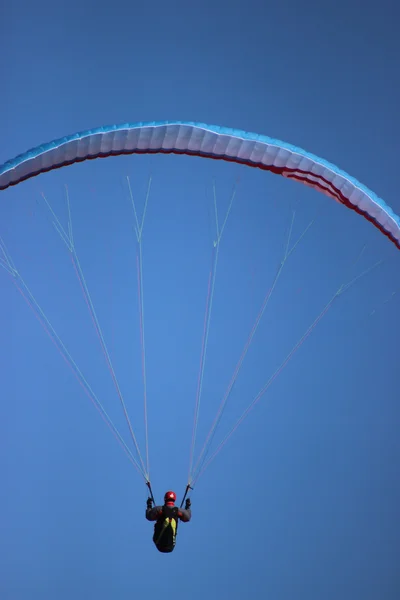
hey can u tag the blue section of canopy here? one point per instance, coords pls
(199, 139)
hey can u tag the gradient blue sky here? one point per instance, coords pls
(303, 501)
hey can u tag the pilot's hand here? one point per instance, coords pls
(149, 503)
(188, 504)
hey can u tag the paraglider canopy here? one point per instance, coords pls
(199, 139)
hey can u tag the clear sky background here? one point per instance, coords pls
(302, 502)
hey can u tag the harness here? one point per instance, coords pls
(169, 526)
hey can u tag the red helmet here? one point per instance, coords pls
(170, 497)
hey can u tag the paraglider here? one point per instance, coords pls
(206, 141)
(167, 517)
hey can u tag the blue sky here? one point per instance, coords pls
(303, 500)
